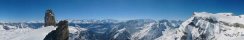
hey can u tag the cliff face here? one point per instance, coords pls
(61, 33)
(49, 18)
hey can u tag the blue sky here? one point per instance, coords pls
(25, 10)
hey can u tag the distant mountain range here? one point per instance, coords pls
(201, 26)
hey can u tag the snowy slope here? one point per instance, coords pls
(26, 33)
(10, 34)
(35, 34)
(141, 33)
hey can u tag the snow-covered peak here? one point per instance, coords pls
(208, 26)
(223, 17)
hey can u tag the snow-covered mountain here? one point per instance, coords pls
(208, 26)
(201, 26)
(141, 29)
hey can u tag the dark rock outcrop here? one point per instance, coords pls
(49, 18)
(61, 33)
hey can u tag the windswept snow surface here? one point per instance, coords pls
(26, 33)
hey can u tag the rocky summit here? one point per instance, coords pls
(49, 18)
(61, 32)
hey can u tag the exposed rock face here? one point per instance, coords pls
(49, 18)
(61, 33)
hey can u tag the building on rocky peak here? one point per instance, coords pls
(49, 18)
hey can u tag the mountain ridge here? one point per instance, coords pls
(201, 26)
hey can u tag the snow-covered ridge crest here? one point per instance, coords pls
(223, 17)
(209, 26)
